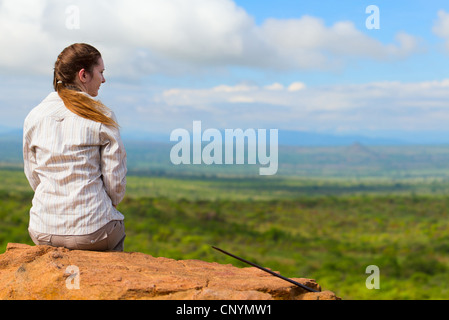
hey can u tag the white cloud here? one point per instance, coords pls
(296, 86)
(307, 43)
(141, 37)
(441, 27)
(237, 88)
(274, 86)
(22, 39)
(372, 106)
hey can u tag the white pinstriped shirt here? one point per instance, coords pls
(76, 167)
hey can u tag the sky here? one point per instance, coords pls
(376, 68)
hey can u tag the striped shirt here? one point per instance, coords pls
(76, 167)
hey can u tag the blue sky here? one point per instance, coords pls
(288, 65)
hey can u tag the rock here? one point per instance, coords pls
(48, 273)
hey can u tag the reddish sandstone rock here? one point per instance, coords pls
(44, 273)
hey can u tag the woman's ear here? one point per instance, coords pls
(83, 76)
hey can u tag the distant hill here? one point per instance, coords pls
(296, 138)
(286, 138)
(300, 154)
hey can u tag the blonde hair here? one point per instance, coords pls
(71, 60)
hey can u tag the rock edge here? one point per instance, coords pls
(48, 273)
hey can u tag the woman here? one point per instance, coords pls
(75, 160)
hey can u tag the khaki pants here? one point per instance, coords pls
(109, 238)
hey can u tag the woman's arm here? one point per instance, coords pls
(113, 164)
(29, 161)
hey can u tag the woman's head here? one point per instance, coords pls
(79, 68)
(80, 65)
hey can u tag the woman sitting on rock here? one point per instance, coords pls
(75, 160)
